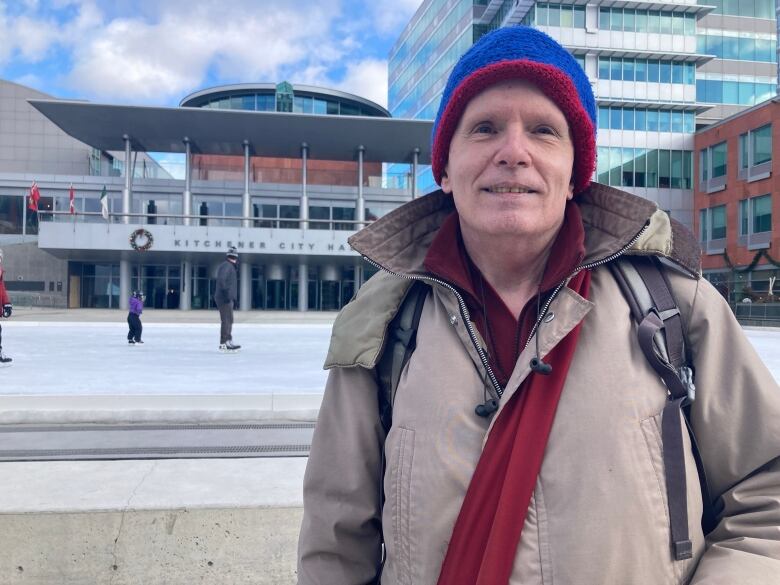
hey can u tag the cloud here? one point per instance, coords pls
(368, 79)
(155, 61)
(146, 51)
(390, 16)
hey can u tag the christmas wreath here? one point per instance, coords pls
(144, 236)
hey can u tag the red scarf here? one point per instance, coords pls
(484, 541)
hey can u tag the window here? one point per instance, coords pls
(712, 162)
(744, 217)
(703, 232)
(718, 222)
(755, 149)
(321, 213)
(755, 221)
(762, 144)
(719, 160)
(762, 213)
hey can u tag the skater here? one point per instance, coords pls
(5, 303)
(134, 318)
(225, 296)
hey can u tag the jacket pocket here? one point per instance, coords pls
(651, 429)
(401, 500)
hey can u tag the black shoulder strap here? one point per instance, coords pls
(400, 341)
(662, 340)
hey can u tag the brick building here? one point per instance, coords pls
(738, 206)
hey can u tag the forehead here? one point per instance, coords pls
(510, 97)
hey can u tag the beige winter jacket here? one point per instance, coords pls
(598, 515)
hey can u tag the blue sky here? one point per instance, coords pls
(155, 52)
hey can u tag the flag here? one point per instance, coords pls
(104, 203)
(35, 195)
(71, 196)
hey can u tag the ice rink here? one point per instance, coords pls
(182, 359)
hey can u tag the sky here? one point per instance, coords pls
(156, 52)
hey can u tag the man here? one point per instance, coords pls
(558, 474)
(5, 304)
(225, 296)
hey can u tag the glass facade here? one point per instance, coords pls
(646, 70)
(737, 45)
(646, 120)
(744, 91)
(646, 21)
(648, 168)
(269, 101)
(749, 8)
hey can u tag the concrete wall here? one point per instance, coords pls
(26, 262)
(151, 547)
(152, 522)
(30, 143)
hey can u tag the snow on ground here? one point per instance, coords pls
(182, 359)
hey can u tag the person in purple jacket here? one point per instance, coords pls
(134, 318)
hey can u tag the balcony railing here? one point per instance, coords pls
(201, 220)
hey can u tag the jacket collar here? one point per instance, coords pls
(399, 241)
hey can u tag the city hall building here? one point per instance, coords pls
(285, 174)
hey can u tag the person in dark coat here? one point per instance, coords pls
(225, 297)
(134, 318)
(5, 311)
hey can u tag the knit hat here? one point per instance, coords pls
(232, 252)
(521, 52)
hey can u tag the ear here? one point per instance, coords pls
(570, 192)
(446, 185)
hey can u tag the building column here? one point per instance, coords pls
(415, 160)
(246, 201)
(360, 207)
(304, 204)
(303, 287)
(126, 193)
(124, 284)
(185, 295)
(245, 294)
(187, 195)
(303, 268)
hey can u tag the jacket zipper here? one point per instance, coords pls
(465, 315)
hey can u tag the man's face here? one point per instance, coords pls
(510, 163)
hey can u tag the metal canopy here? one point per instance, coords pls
(212, 131)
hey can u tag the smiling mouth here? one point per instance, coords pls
(513, 189)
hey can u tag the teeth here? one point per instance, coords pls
(509, 190)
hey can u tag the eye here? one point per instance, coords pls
(483, 128)
(545, 129)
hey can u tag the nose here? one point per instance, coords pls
(513, 148)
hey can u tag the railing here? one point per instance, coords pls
(767, 314)
(202, 220)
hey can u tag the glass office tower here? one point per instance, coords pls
(658, 72)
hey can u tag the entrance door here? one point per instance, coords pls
(74, 291)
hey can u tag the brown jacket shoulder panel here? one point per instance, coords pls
(359, 330)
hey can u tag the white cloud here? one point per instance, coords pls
(368, 79)
(130, 59)
(146, 51)
(29, 38)
(390, 16)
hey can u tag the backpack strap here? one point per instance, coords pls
(662, 340)
(400, 342)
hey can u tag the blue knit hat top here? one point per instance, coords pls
(521, 52)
